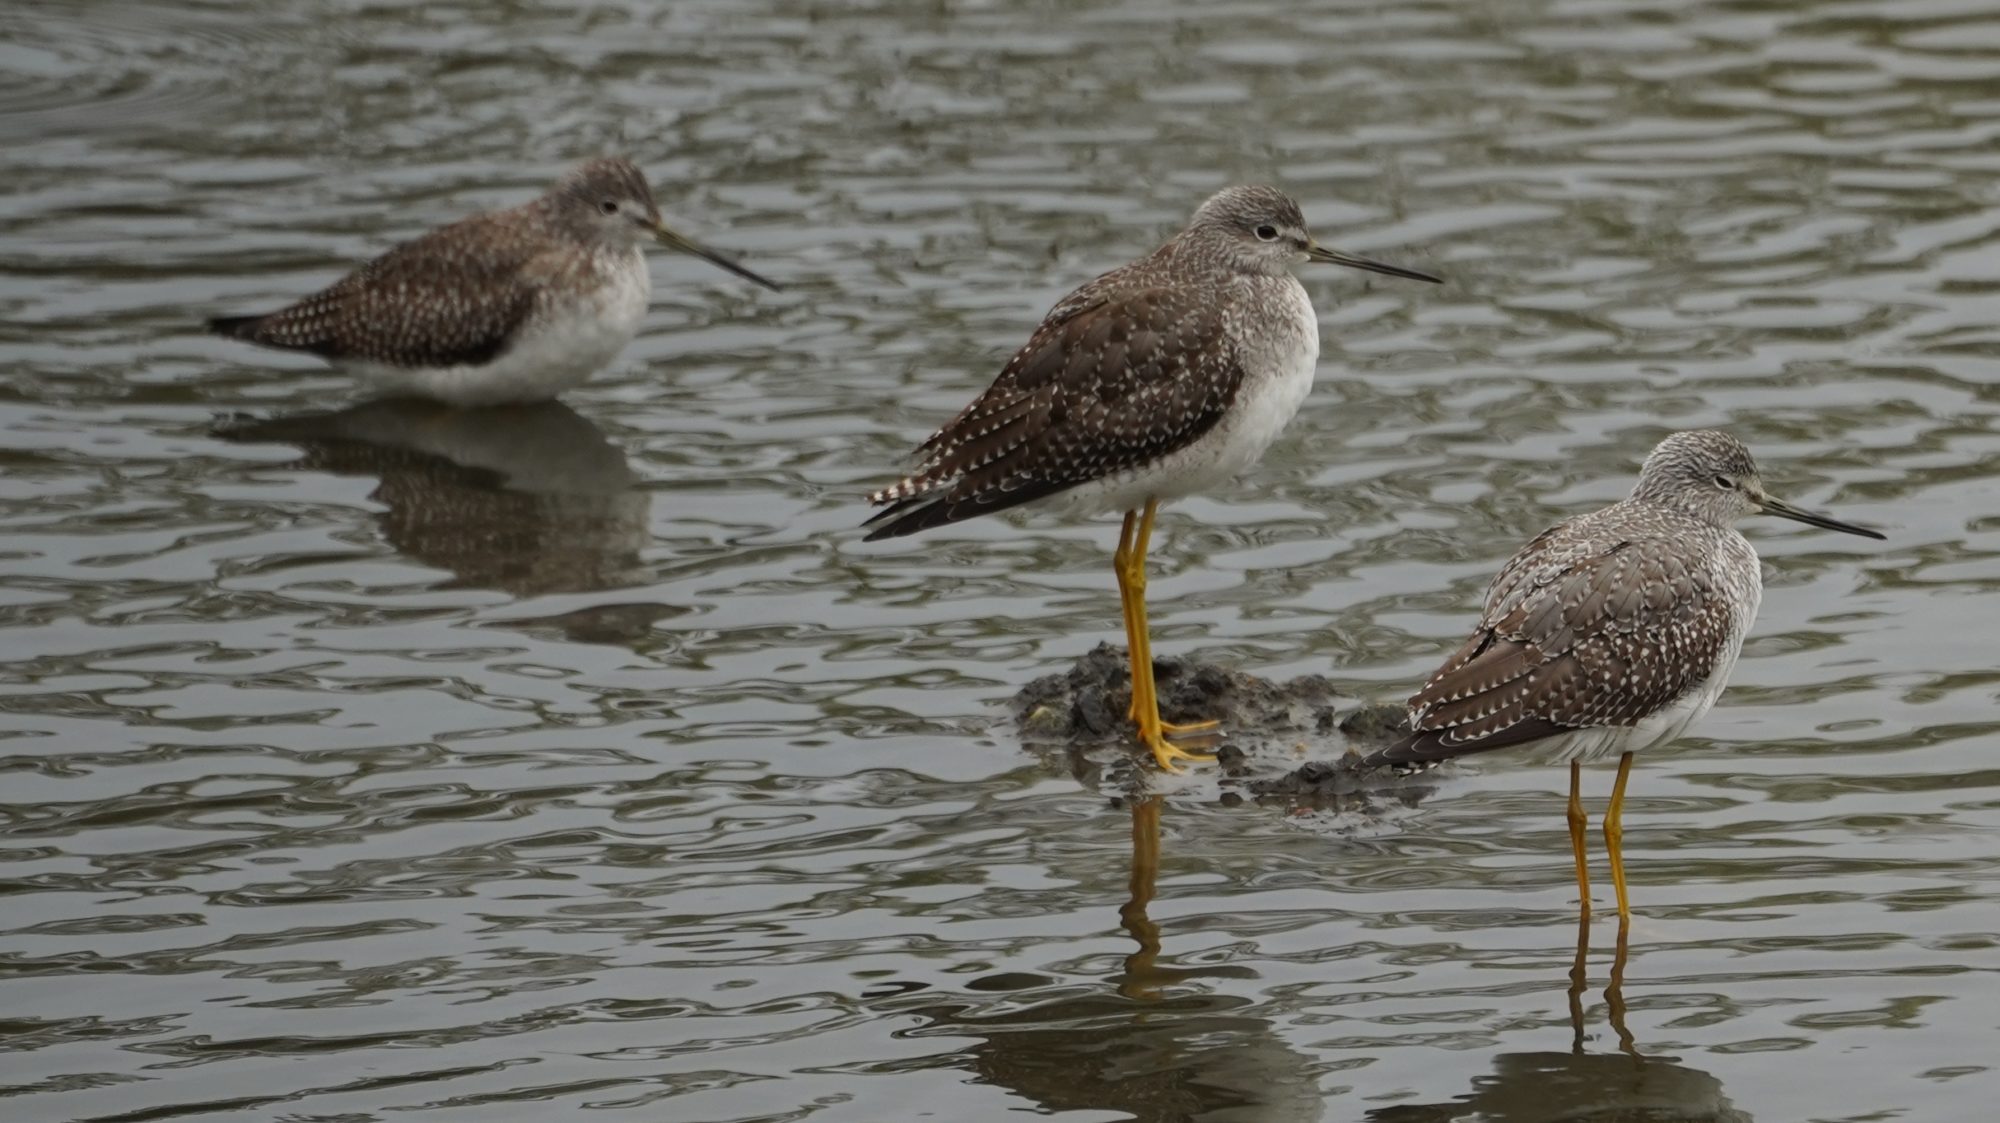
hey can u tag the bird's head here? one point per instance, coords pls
(1711, 475)
(608, 201)
(1261, 230)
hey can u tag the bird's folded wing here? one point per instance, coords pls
(1578, 633)
(1114, 384)
(450, 297)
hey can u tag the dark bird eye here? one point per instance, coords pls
(1268, 232)
(1725, 483)
(608, 206)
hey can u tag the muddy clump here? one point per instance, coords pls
(1300, 739)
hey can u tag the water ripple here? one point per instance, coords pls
(587, 748)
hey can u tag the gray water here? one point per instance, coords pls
(582, 757)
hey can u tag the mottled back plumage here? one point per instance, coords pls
(461, 293)
(1602, 621)
(1606, 619)
(1136, 364)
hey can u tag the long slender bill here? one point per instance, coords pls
(1328, 256)
(1785, 510)
(675, 240)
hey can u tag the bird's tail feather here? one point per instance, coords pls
(236, 327)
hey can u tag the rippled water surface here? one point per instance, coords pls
(390, 763)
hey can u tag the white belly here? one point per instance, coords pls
(557, 350)
(1661, 727)
(1265, 403)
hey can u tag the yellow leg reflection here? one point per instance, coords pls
(1579, 981)
(1577, 823)
(1614, 993)
(1142, 973)
(1614, 837)
(1145, 709)
(1614, 996)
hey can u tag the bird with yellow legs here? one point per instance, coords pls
(1610, 633)
(1161, 379)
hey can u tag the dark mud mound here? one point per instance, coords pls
(1301, 738)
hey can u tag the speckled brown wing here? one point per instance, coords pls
(455, 296)
(1109, 382)
(1580, 631)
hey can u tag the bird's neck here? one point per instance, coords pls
(1682, 511)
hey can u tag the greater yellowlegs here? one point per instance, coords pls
(1159, 379)
(1611, 632)
(508, 306)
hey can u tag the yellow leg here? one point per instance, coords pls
(1142, 973)
(1577, 823)
(1145, 698)
(1614, 836)
(1135, 585)
(1144, 543)
(1121, 564)
(1137, 641)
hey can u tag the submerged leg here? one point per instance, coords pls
(1577, 823)
(1145, 698)
(1614, 836)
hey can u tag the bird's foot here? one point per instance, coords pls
(1167, 754)
(1173, 729)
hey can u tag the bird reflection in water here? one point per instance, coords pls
(1151, 1056)
(527, 499)
(1579, 1086)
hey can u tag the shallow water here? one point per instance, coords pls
(583, 757)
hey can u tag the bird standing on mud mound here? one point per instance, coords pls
(1159, 379)
(514, 305)
(1611, 632)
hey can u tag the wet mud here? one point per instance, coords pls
(1300, 739)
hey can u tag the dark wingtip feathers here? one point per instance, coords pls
(236, 327)
(1403, 753)
(1427, 747)
(907, 516)
(1404, 758)
(880, 532)
(910, 504)
(1418, 752)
